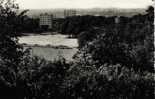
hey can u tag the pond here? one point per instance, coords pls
(48, 46)
(46, 39)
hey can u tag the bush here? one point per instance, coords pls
(111, 82)
(40, 79)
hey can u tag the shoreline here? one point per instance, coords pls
(37, 33)
(49, 46)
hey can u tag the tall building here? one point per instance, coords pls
(46, 21)
(70, 12)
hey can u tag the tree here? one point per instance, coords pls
(10, 50)
(129, 43)
(11, 53)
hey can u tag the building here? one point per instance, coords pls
(70, 12)
(46, 21)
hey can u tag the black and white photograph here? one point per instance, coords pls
(77, 49)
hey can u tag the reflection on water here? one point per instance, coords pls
(52, 53)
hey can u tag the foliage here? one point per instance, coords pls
(110, 82)
(9, 49)
(88, 36)
(29, 25)
(25, 77)
(40, 79)
(11, 53)
(77, 24)
(129, 42)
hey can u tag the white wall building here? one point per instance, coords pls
(46, 21)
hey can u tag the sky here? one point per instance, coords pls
(47, 4)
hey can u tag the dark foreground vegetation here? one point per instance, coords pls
(115, 62)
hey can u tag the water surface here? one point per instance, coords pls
(42, 46)
(54, 40)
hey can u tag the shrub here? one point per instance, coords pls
(111, 82)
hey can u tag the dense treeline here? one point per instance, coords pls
(76, 24)
(29, 25)
(128, 42)
(94, 74)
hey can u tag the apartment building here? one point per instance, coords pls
(69, 12)
(46, 21)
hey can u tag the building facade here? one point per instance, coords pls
(46, 21)
(70, 12)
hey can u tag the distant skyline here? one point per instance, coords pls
(50, 4)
